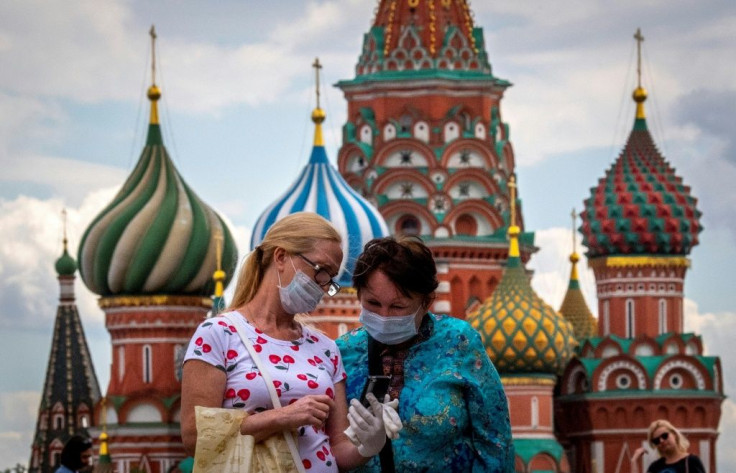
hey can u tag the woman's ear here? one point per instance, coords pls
(280, 258)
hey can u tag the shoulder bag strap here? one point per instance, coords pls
(375, 367)
(288, 435)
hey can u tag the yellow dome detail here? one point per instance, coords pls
(509, 325)
(490, 325)
(541, 341)
(498, 341)
(530, 354)
(520, 341)
(518, 314)
(529, 326)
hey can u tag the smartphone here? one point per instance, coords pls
(378, 385)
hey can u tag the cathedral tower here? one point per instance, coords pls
(425, 142)
(70, 390)
(150, 254)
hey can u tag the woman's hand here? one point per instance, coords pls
(367, 426)
(638, 453)
(310, 410)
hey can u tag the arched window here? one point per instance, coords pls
(535, 412)
(147, 364)
(662, 316)
(409, 225)
(121, 362)
(630, 319)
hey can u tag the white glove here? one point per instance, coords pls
(391, 420)
(366, 430)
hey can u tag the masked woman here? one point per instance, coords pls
(287, 274)
(450, 398)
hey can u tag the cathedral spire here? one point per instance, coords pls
(318, 115)
(573, 307)
(154, 93)
(640, 93)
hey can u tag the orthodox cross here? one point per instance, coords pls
(153, 54)
(639, 39)
(317, 66)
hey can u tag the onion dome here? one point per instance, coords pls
(321, 189)
(424, 39)
(156, 236)
(640, 207)
(521, 332)
(65, 265)
(573, 307)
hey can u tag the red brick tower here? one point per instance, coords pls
(639, 226)
(150, 255)
(425, 142)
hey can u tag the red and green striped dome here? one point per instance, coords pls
(156, 236)
(640, 206)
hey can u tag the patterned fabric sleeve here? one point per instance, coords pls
(209, 344)
(491, 428)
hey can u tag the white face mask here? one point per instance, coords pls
(389, 330)
(301, 295)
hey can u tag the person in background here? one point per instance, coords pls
(287, 274)
(450, 398)
(76, 455)
(673, 451)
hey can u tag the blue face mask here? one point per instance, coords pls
(301, 295)
(389, 330)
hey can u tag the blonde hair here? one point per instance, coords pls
(295, 233)
(682, 443)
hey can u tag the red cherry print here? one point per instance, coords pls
(292, 401)
(311, 362)
(344, 376)
(307, 464)
(312, 384)
(199, 342)
(274, 359)
(313, 337)
(288, 359)
(278, 392)
(244, 394)
(259, 331)
(317, 359)
(276, 383)
(206, 348)
(257, 348)
(251, 375)
(294, 347)
(231, 354)
(321, 455)
(334, 361)
(324, 449)
(301, 376)
(222, 323)
(232, 328)
(330, 393)
(261, 340)
(230, 393)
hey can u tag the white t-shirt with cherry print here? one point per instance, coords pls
(310, 365)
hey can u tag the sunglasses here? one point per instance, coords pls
(322, 277)
(660, 438)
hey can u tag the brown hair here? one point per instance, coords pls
(405, 260)
(295, 233)
(682, 443)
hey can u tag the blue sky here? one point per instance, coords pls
(237, 93)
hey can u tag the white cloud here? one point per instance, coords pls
(18, 413)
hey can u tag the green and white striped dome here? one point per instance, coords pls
(156, 236)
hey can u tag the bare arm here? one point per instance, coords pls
(202, 385)
(346, 454)
(638, 453)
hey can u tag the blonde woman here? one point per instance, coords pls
(287, 274)
(673, 450)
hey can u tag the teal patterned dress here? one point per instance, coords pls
(452, 405)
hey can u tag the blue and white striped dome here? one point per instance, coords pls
(321, 189)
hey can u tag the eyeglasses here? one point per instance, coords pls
(662, 437)
(322, 277)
